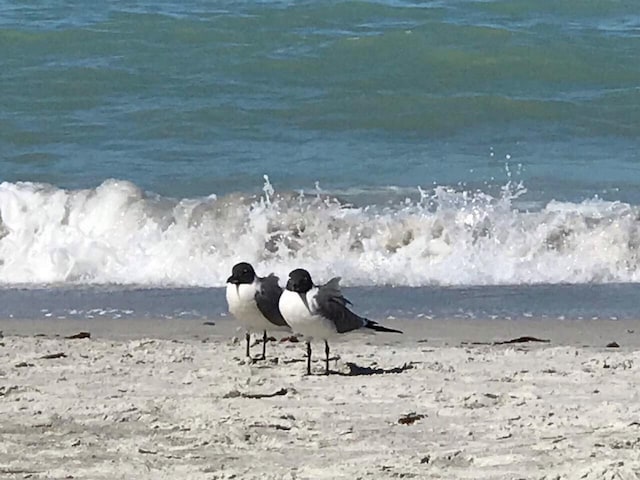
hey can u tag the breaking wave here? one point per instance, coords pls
(119, 234)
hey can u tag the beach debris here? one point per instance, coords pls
(78, 336)
(291, 339)
(18, 471)
(52, 356)
(209, 324)
(282, 391)
(236, 394)
(4, 391)
(613, 345)
(293, 360)
(23, 364)
(410, 418)
(425, 459)
(275, 426)
(145, 451)
(357, 370)
(43, 425)
(524, 339)
(279, 427)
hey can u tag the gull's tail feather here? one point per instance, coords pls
(379, 328)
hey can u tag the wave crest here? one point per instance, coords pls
(117, 233)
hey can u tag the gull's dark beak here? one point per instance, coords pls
(232, 279)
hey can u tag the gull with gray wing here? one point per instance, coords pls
(253, 301)
(320, 312)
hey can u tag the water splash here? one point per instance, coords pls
(117, 233)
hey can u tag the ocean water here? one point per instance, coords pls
(439, 148)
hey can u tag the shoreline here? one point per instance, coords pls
(595, 333)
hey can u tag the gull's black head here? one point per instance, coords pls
(299, 281)
(242, 273)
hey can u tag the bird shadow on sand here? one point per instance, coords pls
(355, 370)
(358, 370)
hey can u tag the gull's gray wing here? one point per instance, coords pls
(332, 305)
(267, 297)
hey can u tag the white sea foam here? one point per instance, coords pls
(116, 233)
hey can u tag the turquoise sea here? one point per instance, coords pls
(450, 147)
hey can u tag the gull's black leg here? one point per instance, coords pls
(264, 345)
(308, 358)
(247, 337)
(326, 358)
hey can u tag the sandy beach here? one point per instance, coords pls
(178, 400)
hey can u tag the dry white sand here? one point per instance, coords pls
(170, 400)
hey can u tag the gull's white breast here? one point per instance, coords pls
(303, 320)
(242, 305)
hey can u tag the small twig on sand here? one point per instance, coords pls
(276, 426)
(507, 342)
(522, 340)
(51, 356)
(23, 364)
(147, 452)
(17, 471)
(282, 391)
(236, 393)
(78, 336)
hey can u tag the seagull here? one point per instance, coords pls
(253, 301)
(320, 312)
